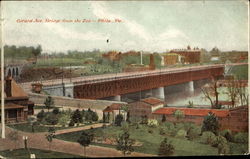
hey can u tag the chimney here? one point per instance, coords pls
(8, 86)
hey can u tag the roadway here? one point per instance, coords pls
(125, 75)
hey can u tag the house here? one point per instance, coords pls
(234, 119)
(110, 112)
(144, 108)
(17, 105)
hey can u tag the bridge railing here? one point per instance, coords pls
(119, 76)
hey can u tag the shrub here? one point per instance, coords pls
(173, 132)
(181, 133)
(118, 120)
(241, 138)
(223, 149)
(150, 131)
(71, 123)
(210, 123)
(63, 120)
(94, 116)
(56, 111)
(179, 126)
(193, 132)
(152, 123)
(168, 125)
(208, 137)
(41, 115)
(77, 116)
(166, 148)
(51, 119)
(188, 125)
(227, 134)
(162, 131)
(178, 114)
(125, 126)
(219, 140)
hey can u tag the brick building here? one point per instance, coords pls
(172, 59)
(112, 55)
(144, 107)
(234, 119)
(17, 105)
(190, 55)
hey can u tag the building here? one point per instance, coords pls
(17, 104)
(110, 112)
(234, 119)
(190, 55)
(112, 55)
(139, 67)
(172, 59)
(144, 108)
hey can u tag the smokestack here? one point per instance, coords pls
(8, 86)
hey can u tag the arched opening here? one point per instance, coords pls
(13, 72)
(9, 73)
(17, 73)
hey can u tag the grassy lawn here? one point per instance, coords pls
(59, 62)
(38, 128)
(43, 107)
(151, 141)
(22, 153)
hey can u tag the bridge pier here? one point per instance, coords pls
(117, 98)
(158, 93)
(190, 86)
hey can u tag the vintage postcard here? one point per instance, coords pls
(124, 78)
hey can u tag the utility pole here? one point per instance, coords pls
(2, 78)
(141, 57)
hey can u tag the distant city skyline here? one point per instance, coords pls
(145, 25)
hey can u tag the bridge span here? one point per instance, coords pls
(108, 85)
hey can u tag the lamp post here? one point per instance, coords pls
(2, 79)
(25, 140)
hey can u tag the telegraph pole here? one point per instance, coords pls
(2, 78)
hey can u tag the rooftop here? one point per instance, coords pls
(192, 111)
(16, 90)
(112, 107)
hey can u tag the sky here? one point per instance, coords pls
(145, 25)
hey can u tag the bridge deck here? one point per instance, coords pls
(119, 76)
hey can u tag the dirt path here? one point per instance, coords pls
(38, 141)
(78, 129)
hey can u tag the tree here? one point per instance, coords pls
(32, 123)
(163, 118)
(125, 143)
(85, 139)
(210, 123)
(77, 117)
(118, 120)
(210, 91)
(37, 51)
(41, 115)
(166, 148)
(51, 135)
(242, 92)
(13, 135)
(49, 103)
(232, 91)
(178, 114)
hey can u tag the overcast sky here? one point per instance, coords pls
(149, 26)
